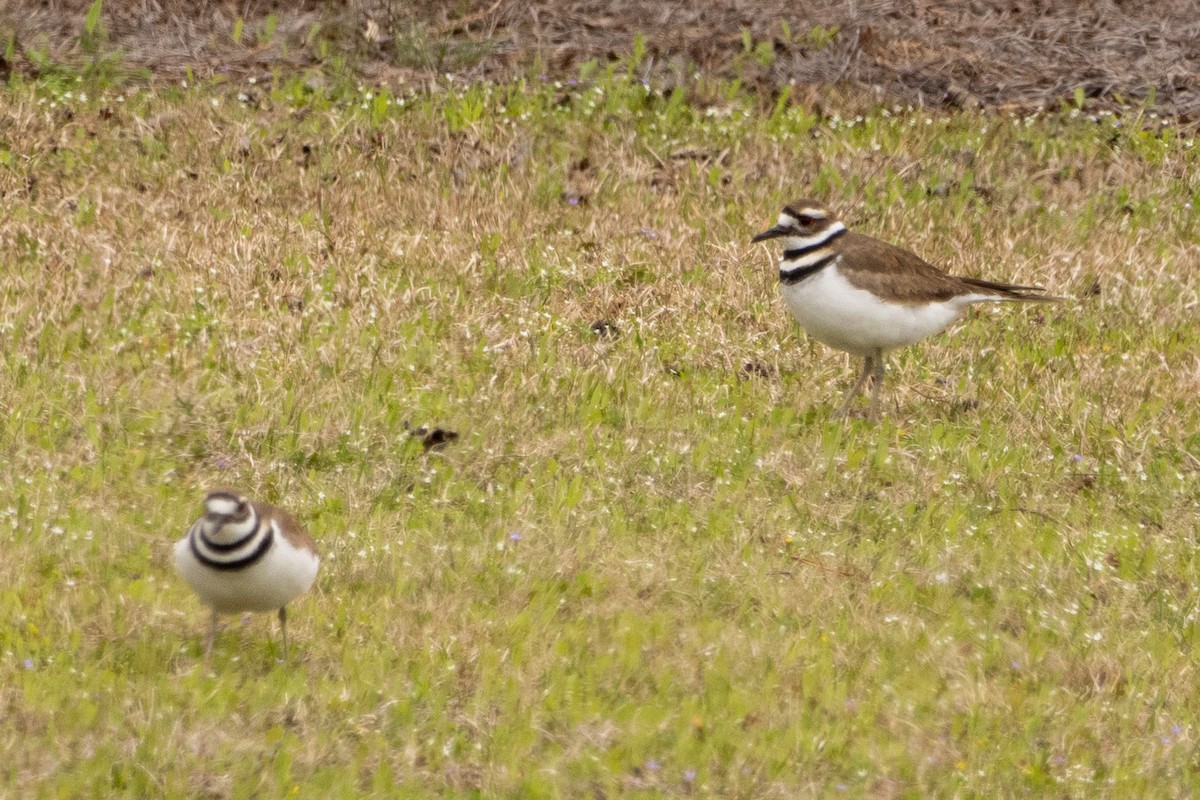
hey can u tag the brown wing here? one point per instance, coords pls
(893, 272)
(292, 530)
(897, 273)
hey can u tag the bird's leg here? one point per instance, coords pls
(283, 629)
(858, 385)
(212, 637)
(877, 387)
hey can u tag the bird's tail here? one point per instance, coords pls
(1009, 291)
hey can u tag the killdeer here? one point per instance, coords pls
(866, 297)
(244, 555)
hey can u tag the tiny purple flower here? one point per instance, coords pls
(1175, 729)
(841, 787)
(648, 233)
(573, 200)
(572, 82)
(27, 663)
(689, 775)
(1076, 458)
(515, 536)
(653, 765)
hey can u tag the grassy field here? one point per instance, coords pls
(650, 564)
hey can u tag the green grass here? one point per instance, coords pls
(642, 570)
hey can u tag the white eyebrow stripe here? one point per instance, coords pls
(805, 242)
(220, 504)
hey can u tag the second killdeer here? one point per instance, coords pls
(867, 297)
(244, 555)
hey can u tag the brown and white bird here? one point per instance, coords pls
(243, 555)
(867, 297)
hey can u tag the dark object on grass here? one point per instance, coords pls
(757, 369)
(605, 329)
(434, 439)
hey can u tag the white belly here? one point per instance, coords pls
(851, 319)
(282, 575)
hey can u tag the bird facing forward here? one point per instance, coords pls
(244, 555)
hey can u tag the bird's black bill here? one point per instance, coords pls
(771, 233)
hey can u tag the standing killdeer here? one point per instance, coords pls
(865, 296)
(246, 556)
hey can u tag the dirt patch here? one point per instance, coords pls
(989, 53)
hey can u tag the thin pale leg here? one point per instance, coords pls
(877, 387)
(212, 637)
(844, 409)
(283, 630)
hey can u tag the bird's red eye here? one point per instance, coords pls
(805, 220)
